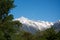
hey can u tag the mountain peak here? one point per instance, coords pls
(22, 17)
(35, 24)
(59, 20)
(32, 26)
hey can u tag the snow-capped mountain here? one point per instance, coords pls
(33, 26)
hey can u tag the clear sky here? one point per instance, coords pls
(47, 10)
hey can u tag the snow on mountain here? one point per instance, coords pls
(33, 26)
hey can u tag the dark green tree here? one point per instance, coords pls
(58, 36)
(7, 25)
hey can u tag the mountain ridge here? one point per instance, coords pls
(32, 26)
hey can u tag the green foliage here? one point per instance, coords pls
(58, 36)
(49, 34)
(8, 27)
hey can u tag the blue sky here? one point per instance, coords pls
(47, 10)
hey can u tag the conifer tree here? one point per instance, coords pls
(7, 25)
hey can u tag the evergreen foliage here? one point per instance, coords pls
(49, 34)
(7, 25)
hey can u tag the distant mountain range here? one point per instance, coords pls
(33, 26)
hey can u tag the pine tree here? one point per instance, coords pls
(7, 25)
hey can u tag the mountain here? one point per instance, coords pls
(57, 25)
(33, 26)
